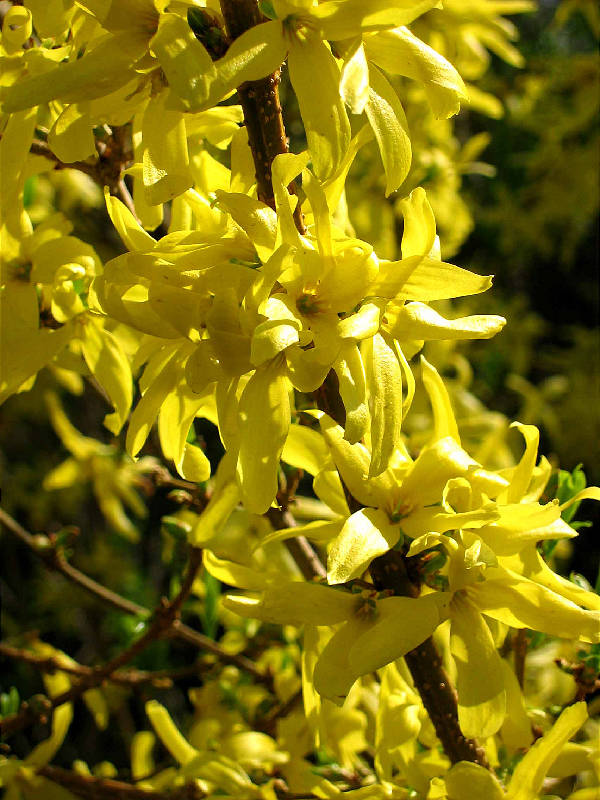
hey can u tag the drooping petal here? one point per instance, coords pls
(264, 424)
(526, 781)
(101, 70)
(352, 461)
(186, 63)
(467, 781)
(530, 563)
(296, 603)
(523, 472)
(166, 169)
(419, 321)
(344, 20)
(71, 138)
(388, 120)
(522, 603)
(365, 535)
(334, 675)
(418, 236)
(354, 83)
(400, 52)
(350, 370)
(402, 623)
(108, 363)
(132, 234)
(444, 421)
(305, 449)
(322, 108)
(480, 679)
(258, 52)
(384, 381)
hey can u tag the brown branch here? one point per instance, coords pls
(54, 559)
(266, 135)
(519, 643)
(439, 697)
(92, 788)
(114, 155)
(164, 617)
(261, 107)
(126, 677)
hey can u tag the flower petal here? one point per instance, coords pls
(480, 679)
(264, 424)
(402, 624)
(366, 534)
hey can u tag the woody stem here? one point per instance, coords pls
(267, 139)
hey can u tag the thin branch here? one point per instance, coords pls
(92, 788)
(439, 697)
(519, 643)
(262, 109)
(55, 560)
(107, 170)
(164, 618)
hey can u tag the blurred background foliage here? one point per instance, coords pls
(513, 181)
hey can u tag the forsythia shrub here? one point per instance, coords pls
(365, 628)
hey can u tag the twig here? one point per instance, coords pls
(126, 677)
(261, 107)
(92, 788)
(519, 644)
(55, 560)
(113, 156)
(430, 678)
(164, 618)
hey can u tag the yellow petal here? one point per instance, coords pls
(529, 775)
(296, 603)
(264, 424)
(146, 411)
(71, 137)
(523, 472)
(134, 237)
(342, 21)
(353, 389)
(444, 421)
(186, 63)
(401, 624)
(401, 53)
(334, 675)
(166, 172)
(466, 781)
(516, 729)
(255, 54)
(352, 461)
(522, 603)
(365, 535)
(168, 733)
(211, 521)
(305, 449)
(418, 321)
(388, 120)
(384, 380)
(108, 363)
(530, 563)
(101, 70)
(418, 236)
(480, 678)
(322, 109)
(354, 83)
